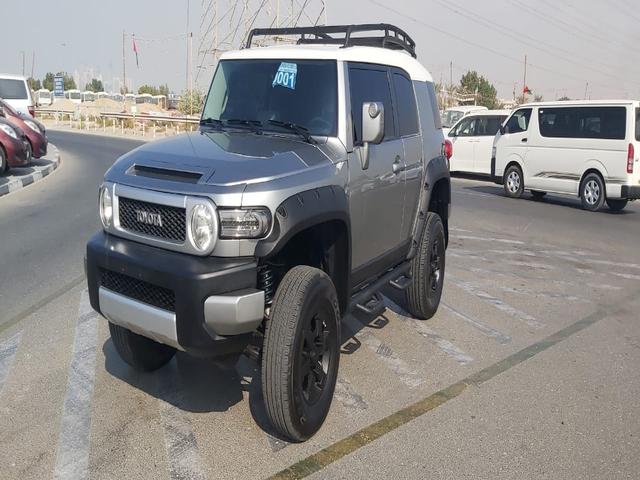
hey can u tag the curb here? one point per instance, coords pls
(19, 182)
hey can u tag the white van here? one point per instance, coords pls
(43, 97)
(87, 96)
(74, 95)
(584, 148)
(451, 115)
(15, 91)
(472, 140)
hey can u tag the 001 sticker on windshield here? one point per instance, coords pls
(286, 75)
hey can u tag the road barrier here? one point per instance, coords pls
(135, 124)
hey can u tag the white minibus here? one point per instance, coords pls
(585, 148)
(74, 95)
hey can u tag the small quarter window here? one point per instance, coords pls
(519, 121)
(406, 104)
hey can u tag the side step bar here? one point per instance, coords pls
(369, 299)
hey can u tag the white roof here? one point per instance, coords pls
(481, 113)
(568, 103)
(466, 108)
(12, 76)
(380, 56)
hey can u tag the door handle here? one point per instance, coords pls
(397, 167)
(524, 140)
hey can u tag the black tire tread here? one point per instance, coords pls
(277, 359)
(416, 301)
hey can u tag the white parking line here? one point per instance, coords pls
(535, 293)
(501, 338)
(442, 343)
(405, 373)
(72, 461)
(628, 276)
(499, 304)
(8, 350)
(183, 454)
(488, 239)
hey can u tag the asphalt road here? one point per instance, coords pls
(528, 370)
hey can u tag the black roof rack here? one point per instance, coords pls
(393, 38)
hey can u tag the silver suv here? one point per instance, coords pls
(317, 178)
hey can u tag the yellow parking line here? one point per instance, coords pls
(367, 435)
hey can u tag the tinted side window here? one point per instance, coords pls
(467, 127)
(368, 85)
(488, 126)
(406, 104)
(584, 122)
(519, 121)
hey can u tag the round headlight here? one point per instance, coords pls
(32, 125)
(9, 131)
(106, 207)
(202, 227)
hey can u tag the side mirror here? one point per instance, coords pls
(502, 130)
(372, 128)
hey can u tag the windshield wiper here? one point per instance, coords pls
(212, 122)
(254, 125)
(298, 129)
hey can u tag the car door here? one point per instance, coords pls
(463, 138)
(376, 195)
(406, 110)
(485, 129)
(512, 146)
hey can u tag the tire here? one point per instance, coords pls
(617, 205)
(140, 352)
(592, 192)
(537, 194)
(427, 270)
(3, 161)
(29, 153)
(301, 353)
(513, 182)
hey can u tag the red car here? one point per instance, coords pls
(33, 129)
(14, 151)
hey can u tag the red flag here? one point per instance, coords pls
(526, 90)
(135, 49)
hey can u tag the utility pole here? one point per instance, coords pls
(524, 81)
(586, 89)
(124, 66)
(33, 62)
(22, 52)
(450, 74)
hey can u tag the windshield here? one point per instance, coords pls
(302, 92)
(13, 89)
(74, 95)
(450, 117)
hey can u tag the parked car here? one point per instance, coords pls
(34, 130)
(15, 91)
(584, 148)
(317, 178)
(472, 139)
(13, 147)
(451, 115)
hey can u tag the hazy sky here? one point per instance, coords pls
(568, 43)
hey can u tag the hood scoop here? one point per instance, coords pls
(159, 173)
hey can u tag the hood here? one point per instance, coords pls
(221, 159)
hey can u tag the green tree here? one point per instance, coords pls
(163, 90)
(191, 102)
(34, 84)
(95, 86)
(472, 83)
(148, 89)
(47, 81)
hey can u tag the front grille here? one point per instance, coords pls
(173, 219)
(138, 290)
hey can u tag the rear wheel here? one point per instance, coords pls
(301, 353)
(537, 194)
(140, 352)
(513, 182)
(427, 270)
(617, 205)
(592, 192)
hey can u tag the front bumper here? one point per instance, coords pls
(16, 153)
(207, 306)
(630, 192)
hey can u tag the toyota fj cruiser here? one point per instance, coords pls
(317, 177)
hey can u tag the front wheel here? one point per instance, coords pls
(140, 352)
(301, 353)
(3, 160)
(513, 182)
(617, 205)
(427, 270)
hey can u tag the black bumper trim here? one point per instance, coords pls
(630, 192)
(191, 278)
